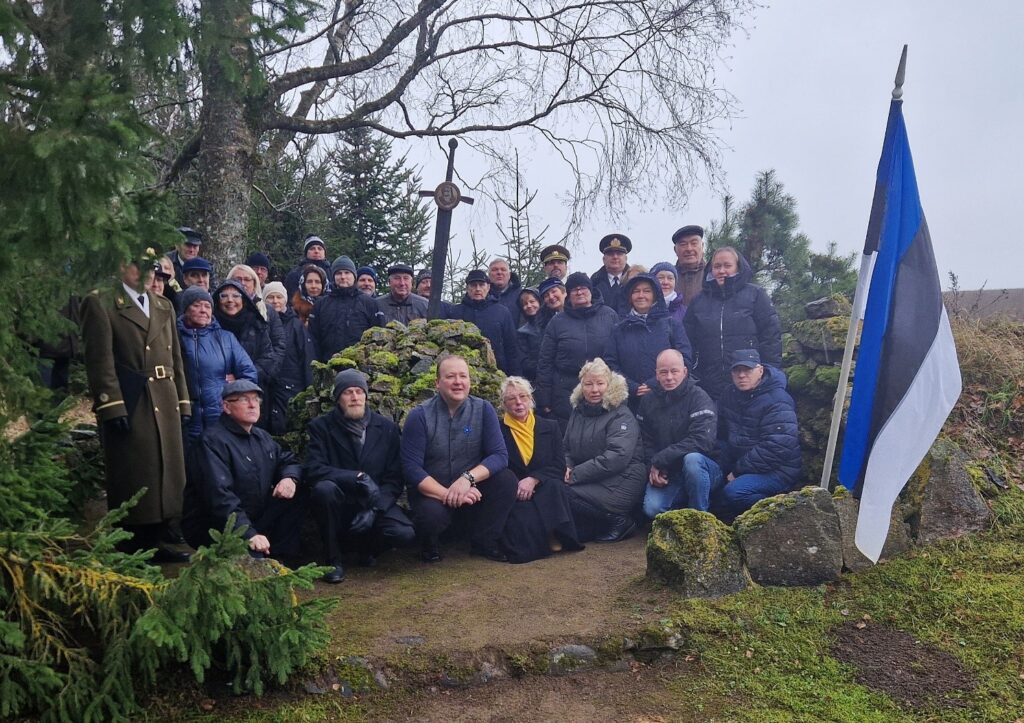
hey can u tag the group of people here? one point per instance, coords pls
(628, 393)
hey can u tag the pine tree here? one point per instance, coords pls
(378, 218)
(765, 231)
(522, 246)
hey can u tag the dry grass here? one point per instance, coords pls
(989, 418)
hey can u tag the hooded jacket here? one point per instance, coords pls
(528, 339)
(761, 430)
(573, 337)
(637, 340)
(602, 446)
(675, 423)
(494, 322)
(723, 319)
(339, 319)
(291, 279)
(252, 332)
(211, 353)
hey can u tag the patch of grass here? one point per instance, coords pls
(769, 647)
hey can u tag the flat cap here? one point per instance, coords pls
(691, 230)
(400, 268)
(240, 386)
(477, 275)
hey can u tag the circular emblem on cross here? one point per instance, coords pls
(447, 195)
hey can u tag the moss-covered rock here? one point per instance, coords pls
(825, 336)
(792, 539)
(829, 306)
(942, 499)
(695, 553)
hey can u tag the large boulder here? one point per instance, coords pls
(897, 542)
(792, 539)
(696, 554)
(829, 306)
(822, 339)
(944, 501)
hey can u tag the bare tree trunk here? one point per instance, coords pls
(228, 157)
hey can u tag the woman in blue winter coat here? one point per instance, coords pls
(212, 355)
(730, 314)
(643, 333)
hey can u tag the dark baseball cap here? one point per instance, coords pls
(748, 358)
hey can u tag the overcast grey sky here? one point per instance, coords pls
(813, 82)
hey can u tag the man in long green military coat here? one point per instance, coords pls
(138, 384)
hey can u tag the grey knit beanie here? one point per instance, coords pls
(348, 378)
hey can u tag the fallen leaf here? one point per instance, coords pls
(749, 653)
(844, 612)
(860, 625)
(207, 704)
(866, 617)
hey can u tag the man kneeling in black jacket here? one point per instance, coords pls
(243, 471)
(354, 466)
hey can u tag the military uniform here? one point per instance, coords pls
(135, 370)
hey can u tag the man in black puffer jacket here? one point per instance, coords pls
(731, 313)
(760, 456)
(678, 423)
(492, 318)
(339, 319)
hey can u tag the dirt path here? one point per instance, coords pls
(466, 603)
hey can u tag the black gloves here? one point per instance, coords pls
(117, 425)
(363, 521)
(368, 492)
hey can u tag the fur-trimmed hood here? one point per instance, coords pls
(616, 394)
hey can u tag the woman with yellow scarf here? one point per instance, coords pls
(540, 522)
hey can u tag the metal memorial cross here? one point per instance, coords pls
(447, 196)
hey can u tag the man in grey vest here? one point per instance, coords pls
(456, 465)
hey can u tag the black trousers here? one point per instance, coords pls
(591, 521)
(484, 522)
(280, 521)
(334, 512)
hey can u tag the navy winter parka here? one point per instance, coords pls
(339, 319)
(723, 319)
(636, 340)
(573, 337)
(211, 353)
(494, 322)
(761, 430)
(296, 372)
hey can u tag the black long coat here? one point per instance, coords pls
(331, 455)
(532, 522)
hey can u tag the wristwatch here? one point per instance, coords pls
(469, 475)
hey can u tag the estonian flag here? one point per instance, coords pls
(907, 377)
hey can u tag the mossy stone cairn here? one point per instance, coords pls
(400, 362)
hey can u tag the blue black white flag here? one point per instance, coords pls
(907, 377)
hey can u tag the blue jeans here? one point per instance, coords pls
(738, 496)
(692, 487)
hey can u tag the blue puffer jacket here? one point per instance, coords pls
(761, 429)
(211, 353)
(636, 341)
(723, 319)
(494, 322)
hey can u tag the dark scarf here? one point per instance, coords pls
(355, 429)
(239, 322)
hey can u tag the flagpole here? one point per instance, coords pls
(859, 298)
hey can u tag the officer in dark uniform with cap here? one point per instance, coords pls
(610, 278)
(189, 248)
(555, 260)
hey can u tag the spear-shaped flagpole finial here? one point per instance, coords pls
(897, 92)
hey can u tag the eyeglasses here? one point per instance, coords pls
(230, 297)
